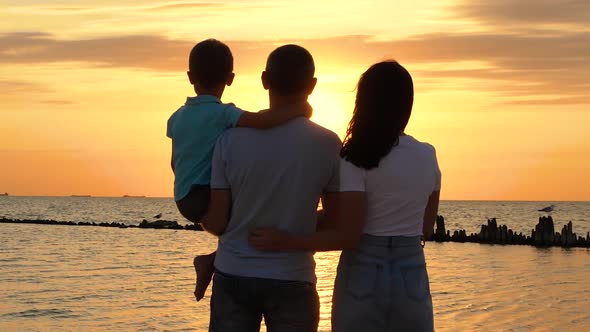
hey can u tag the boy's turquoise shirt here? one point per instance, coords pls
(194, 129)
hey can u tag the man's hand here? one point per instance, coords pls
(270, 239)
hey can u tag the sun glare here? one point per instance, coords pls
(331, 110)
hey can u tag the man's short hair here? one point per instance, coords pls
(211, 63)
(289, 69)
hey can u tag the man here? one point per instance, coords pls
(270, 178)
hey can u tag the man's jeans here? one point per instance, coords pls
(239, 303)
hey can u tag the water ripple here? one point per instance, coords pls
(100, 279)
(52, 313)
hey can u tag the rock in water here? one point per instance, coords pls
(439, 234)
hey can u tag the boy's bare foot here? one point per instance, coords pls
(204, 269)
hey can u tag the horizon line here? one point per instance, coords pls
(171, 197)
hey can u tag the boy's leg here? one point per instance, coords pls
(193, 207)
(204, 269)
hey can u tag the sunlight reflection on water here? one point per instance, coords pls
(92, 278)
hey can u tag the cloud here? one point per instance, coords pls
(537, 66)
(148, 52)
(14, 87)
(67, 9)
(57, 102)
(534, 14)
(14, 90)
(28, 92)
(159, 7)
(533, 67)
(186, 5)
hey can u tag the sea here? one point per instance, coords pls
(73, 278)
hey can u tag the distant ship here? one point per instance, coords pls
(80, 196)
(5, 194)
(133, 196)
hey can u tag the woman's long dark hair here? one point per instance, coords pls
(384, 98)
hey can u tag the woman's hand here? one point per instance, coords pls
(270, 239)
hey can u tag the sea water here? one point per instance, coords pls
(65, 278)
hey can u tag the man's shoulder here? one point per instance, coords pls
(313, 131)
(234, 134)
(325, 133)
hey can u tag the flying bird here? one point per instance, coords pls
(547, 208)
(158, 216)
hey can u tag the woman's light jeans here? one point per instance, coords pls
(382, 286)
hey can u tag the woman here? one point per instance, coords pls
(390, 186)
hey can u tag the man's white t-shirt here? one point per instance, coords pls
(398, 189)
(276, 177)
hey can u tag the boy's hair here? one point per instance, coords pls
(210, 63)
(289, 69)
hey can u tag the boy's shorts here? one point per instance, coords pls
(194, 205)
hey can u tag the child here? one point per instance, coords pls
(194, 129)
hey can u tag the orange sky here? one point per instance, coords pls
(501, 87)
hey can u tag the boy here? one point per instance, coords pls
(194, 129)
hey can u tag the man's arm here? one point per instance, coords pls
(273, 117)
(345, 215)
(430, 213)
(218, 213)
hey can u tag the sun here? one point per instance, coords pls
(331, 109)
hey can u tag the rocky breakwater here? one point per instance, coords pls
(168, 224)
(158, 224)
(543, 235)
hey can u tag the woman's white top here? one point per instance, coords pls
(397, 190)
